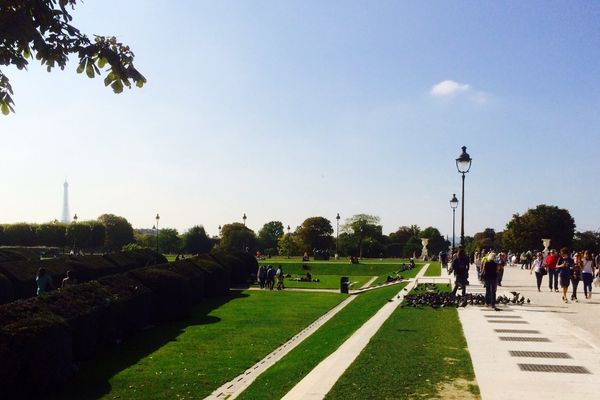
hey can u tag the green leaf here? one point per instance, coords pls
(81, 67)
(89, 70)
(139, 83)
(5, 109)
(117, 86)
(102, 62)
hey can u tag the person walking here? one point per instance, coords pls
(262, 276)
(576, 275)
(551, 260)
(501, 263)
(587, 274)
(539, 269)
(490, 279)
(279, 276)
(69, 280)
(460, 268)
(564, 265)
(270, 277)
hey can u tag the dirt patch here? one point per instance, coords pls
(458, 389)
(450, 360)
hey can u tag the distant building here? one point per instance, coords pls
(65, 219)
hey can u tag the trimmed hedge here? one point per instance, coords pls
(218, 277)
(195, 275)
(242, 265)
(22, 274)
(35, 349)
(171, 292)
(92, 267)
(132, 303)
(8, 255)
(26, 253)
(7, 290)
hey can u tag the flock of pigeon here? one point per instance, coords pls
(429, 294)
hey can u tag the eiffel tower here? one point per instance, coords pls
(65, 213)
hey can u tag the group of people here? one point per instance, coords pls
(565, 269)
(267, 275)
(44, 283)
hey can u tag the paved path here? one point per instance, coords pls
(321, 379)
(511, 348)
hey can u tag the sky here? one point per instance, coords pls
(285, 110)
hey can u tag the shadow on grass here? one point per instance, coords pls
(92, 382)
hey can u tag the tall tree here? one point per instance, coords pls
(587, 240)
(315, 233)
(269, 234)
(42, 29)
(237, 236)
(525, 232)
(290, 244)
(361, 227)
(196, 241)
(118, 231)
(486, 240)
(169, 241)
(51, 234)
(436, 243)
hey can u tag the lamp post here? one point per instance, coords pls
(453, 205)
(463, 165)
(220, 230)
(74, 232)
(244, 218)
(337, 235)
(288, 240)
(157, 219)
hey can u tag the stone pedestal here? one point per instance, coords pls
(424, 253)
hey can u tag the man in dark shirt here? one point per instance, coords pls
(460, 268)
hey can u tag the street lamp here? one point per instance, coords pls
(453, 205)
(337, 234)
(74, 232)
(288, 242)
(220, 230)
(463, 164)
(244, 218)
(157, 218)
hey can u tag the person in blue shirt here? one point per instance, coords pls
(43, 281)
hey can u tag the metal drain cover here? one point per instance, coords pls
(523, 339)
(539, 354)
(516, 331)
(503, 321)
(566, 369)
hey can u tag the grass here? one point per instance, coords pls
(280, 378)
(326, 282)
(190, 359)
(365, 268)
(435, 269)
(417, 353)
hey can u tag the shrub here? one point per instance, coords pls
(7, 291)
(123, 260)
(92, 267)
(196, 276)
(9, 255)
(171, 292)
(35, 349)
(22, 274)
(131, 303)
(85, 308)
(218, 277)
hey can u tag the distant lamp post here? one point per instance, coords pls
(453, 205)
(244, 218)
(220, 227)
(157, 219)
(337, 234)
(463, 164)
(75, 218)
(74, 233)
(288, 240)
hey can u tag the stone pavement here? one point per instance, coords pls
(544, 350)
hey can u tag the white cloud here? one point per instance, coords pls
(449, 88)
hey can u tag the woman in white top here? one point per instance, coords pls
(538, 268)
(587, 275)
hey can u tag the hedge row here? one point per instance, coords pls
(17, 278)
(42, 338)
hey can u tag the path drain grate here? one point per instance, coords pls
(523, 339)
(539, 354)
(504, 316)
(565, 369)
(503, 321)
(516, 331)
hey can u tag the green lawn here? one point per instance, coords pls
(326, 282)
(417, 353)
(365, 268)
(435, 269)
(190, 359)
(280, 378)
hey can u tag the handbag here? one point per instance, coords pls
(544, 271)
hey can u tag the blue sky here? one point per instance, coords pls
(290, 109)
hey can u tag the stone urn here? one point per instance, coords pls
(546, 243)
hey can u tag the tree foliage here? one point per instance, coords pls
(436, 242)
(487, 240)
(42, 29)
(315, 233)
(363, 227)
(118, 231)
(587, 240)
(196, 241)
(290, 245)
(237, 236)
(269, 235)
(525, 232)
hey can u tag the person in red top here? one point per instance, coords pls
(551, 260)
